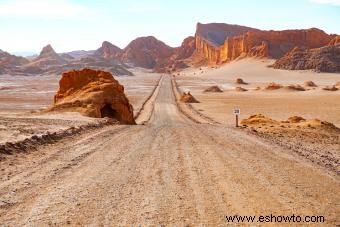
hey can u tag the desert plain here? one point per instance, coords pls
(186, 163)
(146, 135)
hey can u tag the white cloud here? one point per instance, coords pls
(328, 2)
(51, 9)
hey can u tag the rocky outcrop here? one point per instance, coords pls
(9, 60)
(186, 49)
(334, 41)
(108, 51)
(48, 57)
(188, 98)
(248, 42)
(146, 52)
(324, 59)
(180, 58)
(93, 93)
(214, 88)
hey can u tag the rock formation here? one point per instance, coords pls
(309, 83)
(240, 89)
(108, 51)
(186, 49)
(93, 93)
(214, 88)
(335, 41)
(188, 98)
(295, 87)
(219, 43)
(324, 59)
(9, 60)
(240, 81)
(48, 57)
(146, 52)
(273, 86)
(330, 88)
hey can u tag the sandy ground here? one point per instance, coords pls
(171, 171)
(316, 144)
(281, 104)
(21, 97)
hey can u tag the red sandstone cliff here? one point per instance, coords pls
(253, 42)
(335, 41)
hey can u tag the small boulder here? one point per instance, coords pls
(296, 119)
(330, 88)
(188, 98)
(240, 89)
(273, 86)
(295, 87)
(240, 81)
(214, 88)
(309, 83)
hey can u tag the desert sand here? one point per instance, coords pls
(170, 171)
(24, 98)
(279, 104)
(183, 164)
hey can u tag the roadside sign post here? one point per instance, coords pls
(237, 112)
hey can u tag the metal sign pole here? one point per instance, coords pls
(237, 112)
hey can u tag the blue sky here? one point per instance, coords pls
(28, 25)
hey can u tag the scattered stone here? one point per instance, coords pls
(330, 88)
(295, 87)
(273, 86)
(240, 89)
(309, 83)
(188, 98)
(240, 81)
(214, 88)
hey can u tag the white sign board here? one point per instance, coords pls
(237, 111)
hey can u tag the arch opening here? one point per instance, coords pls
(107, 111)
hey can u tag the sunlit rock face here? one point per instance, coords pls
(93, 93)
(219, 43)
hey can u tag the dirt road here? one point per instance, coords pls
(170, 171)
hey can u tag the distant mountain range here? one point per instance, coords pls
(213, 44)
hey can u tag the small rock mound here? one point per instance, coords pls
(295, 87)
(309, 83)
(240, 89)
(296, 119)
(214, 88)
(273, 86)
(93, 93)
(330, 88)
(258, 119)
(240, 81)
(294, 122)
(337, 84)
(188, 98)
